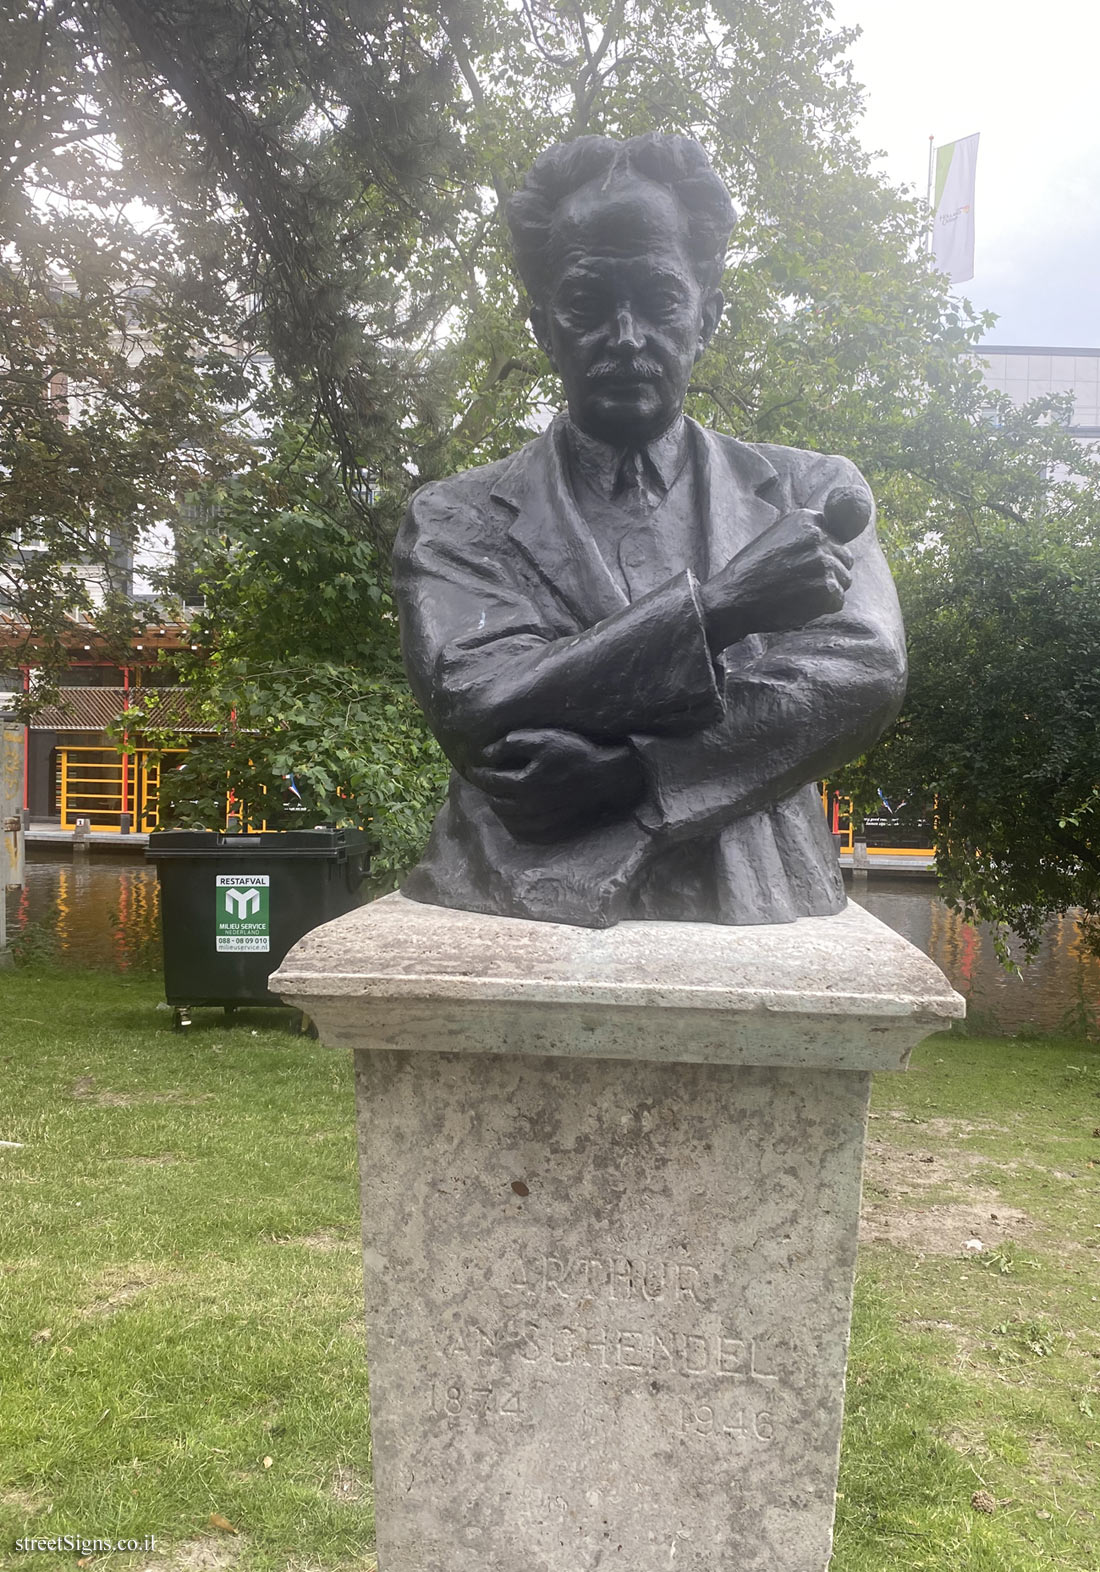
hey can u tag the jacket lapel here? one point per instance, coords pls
(736, 483)
(550, 532)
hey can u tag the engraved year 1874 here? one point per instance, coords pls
(451, 1398)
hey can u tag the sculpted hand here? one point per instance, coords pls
(789, 575)
(549, 785)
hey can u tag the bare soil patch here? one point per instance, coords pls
(893, 1176)
(346, 1485)
(117, 1288)
(84, 1090)
(945, 1229)
(324, 1239)
(196, 1555)
(910, 1172)
(22, 1501)
(945, 1129)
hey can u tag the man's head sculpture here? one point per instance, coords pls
(621, 246)
(639, 640)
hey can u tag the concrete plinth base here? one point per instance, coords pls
(610, 1195)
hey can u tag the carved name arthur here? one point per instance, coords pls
(611, 1278)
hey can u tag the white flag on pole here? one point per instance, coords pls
(953, 224)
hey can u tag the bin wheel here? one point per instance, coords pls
(181, 1018)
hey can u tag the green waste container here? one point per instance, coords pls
(233, 905)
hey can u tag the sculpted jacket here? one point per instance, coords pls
(510, 619)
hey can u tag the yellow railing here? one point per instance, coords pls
(99, 785)
(838, 811)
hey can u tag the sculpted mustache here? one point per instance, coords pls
(625, 368)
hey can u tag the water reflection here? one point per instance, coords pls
(1060, 989)
(87, 912)
(106, 914)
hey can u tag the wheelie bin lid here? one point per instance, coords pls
(331, 844)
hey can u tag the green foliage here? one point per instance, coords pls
(328, 183)
(188, 194)
(306, 144)
(1002, 605)
(296, 667)
(119, 378)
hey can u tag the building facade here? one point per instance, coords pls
(1028, 371)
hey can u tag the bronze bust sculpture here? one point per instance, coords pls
(641, 642)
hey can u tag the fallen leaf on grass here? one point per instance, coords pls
(268, 1462)
(42, 1336)
(217, 1521)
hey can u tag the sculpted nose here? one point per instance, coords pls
(625, 333)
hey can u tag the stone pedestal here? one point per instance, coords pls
(610, 1194)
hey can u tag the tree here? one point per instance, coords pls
(117, 374)
(163, 216)
(296, 666)
(310, 142)
(362, 224)
(999, 732)
(841, 338)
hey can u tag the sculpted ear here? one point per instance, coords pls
(713, 307)
(537, 320)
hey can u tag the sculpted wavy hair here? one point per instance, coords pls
(677, 162)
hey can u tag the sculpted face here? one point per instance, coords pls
(627, 318)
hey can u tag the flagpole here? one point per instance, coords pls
(928, 196)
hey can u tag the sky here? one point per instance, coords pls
(1025, 76)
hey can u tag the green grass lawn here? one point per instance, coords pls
(181, 1283)
(978, 1371)
(180, 1291)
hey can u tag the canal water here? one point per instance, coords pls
(1060, 990)
(105, 913)
(84, 911)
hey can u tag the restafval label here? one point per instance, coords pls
(243, 912)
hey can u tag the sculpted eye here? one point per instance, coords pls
(665, 301)
(582, 303)
(582, 307)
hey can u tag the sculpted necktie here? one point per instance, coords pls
(636, 484)
(651, 548)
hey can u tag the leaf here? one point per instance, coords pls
(217, 1521)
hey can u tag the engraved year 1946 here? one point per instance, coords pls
(732, 1420)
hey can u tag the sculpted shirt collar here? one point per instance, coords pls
(605, 468)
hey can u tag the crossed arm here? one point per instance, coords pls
(668, 709)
